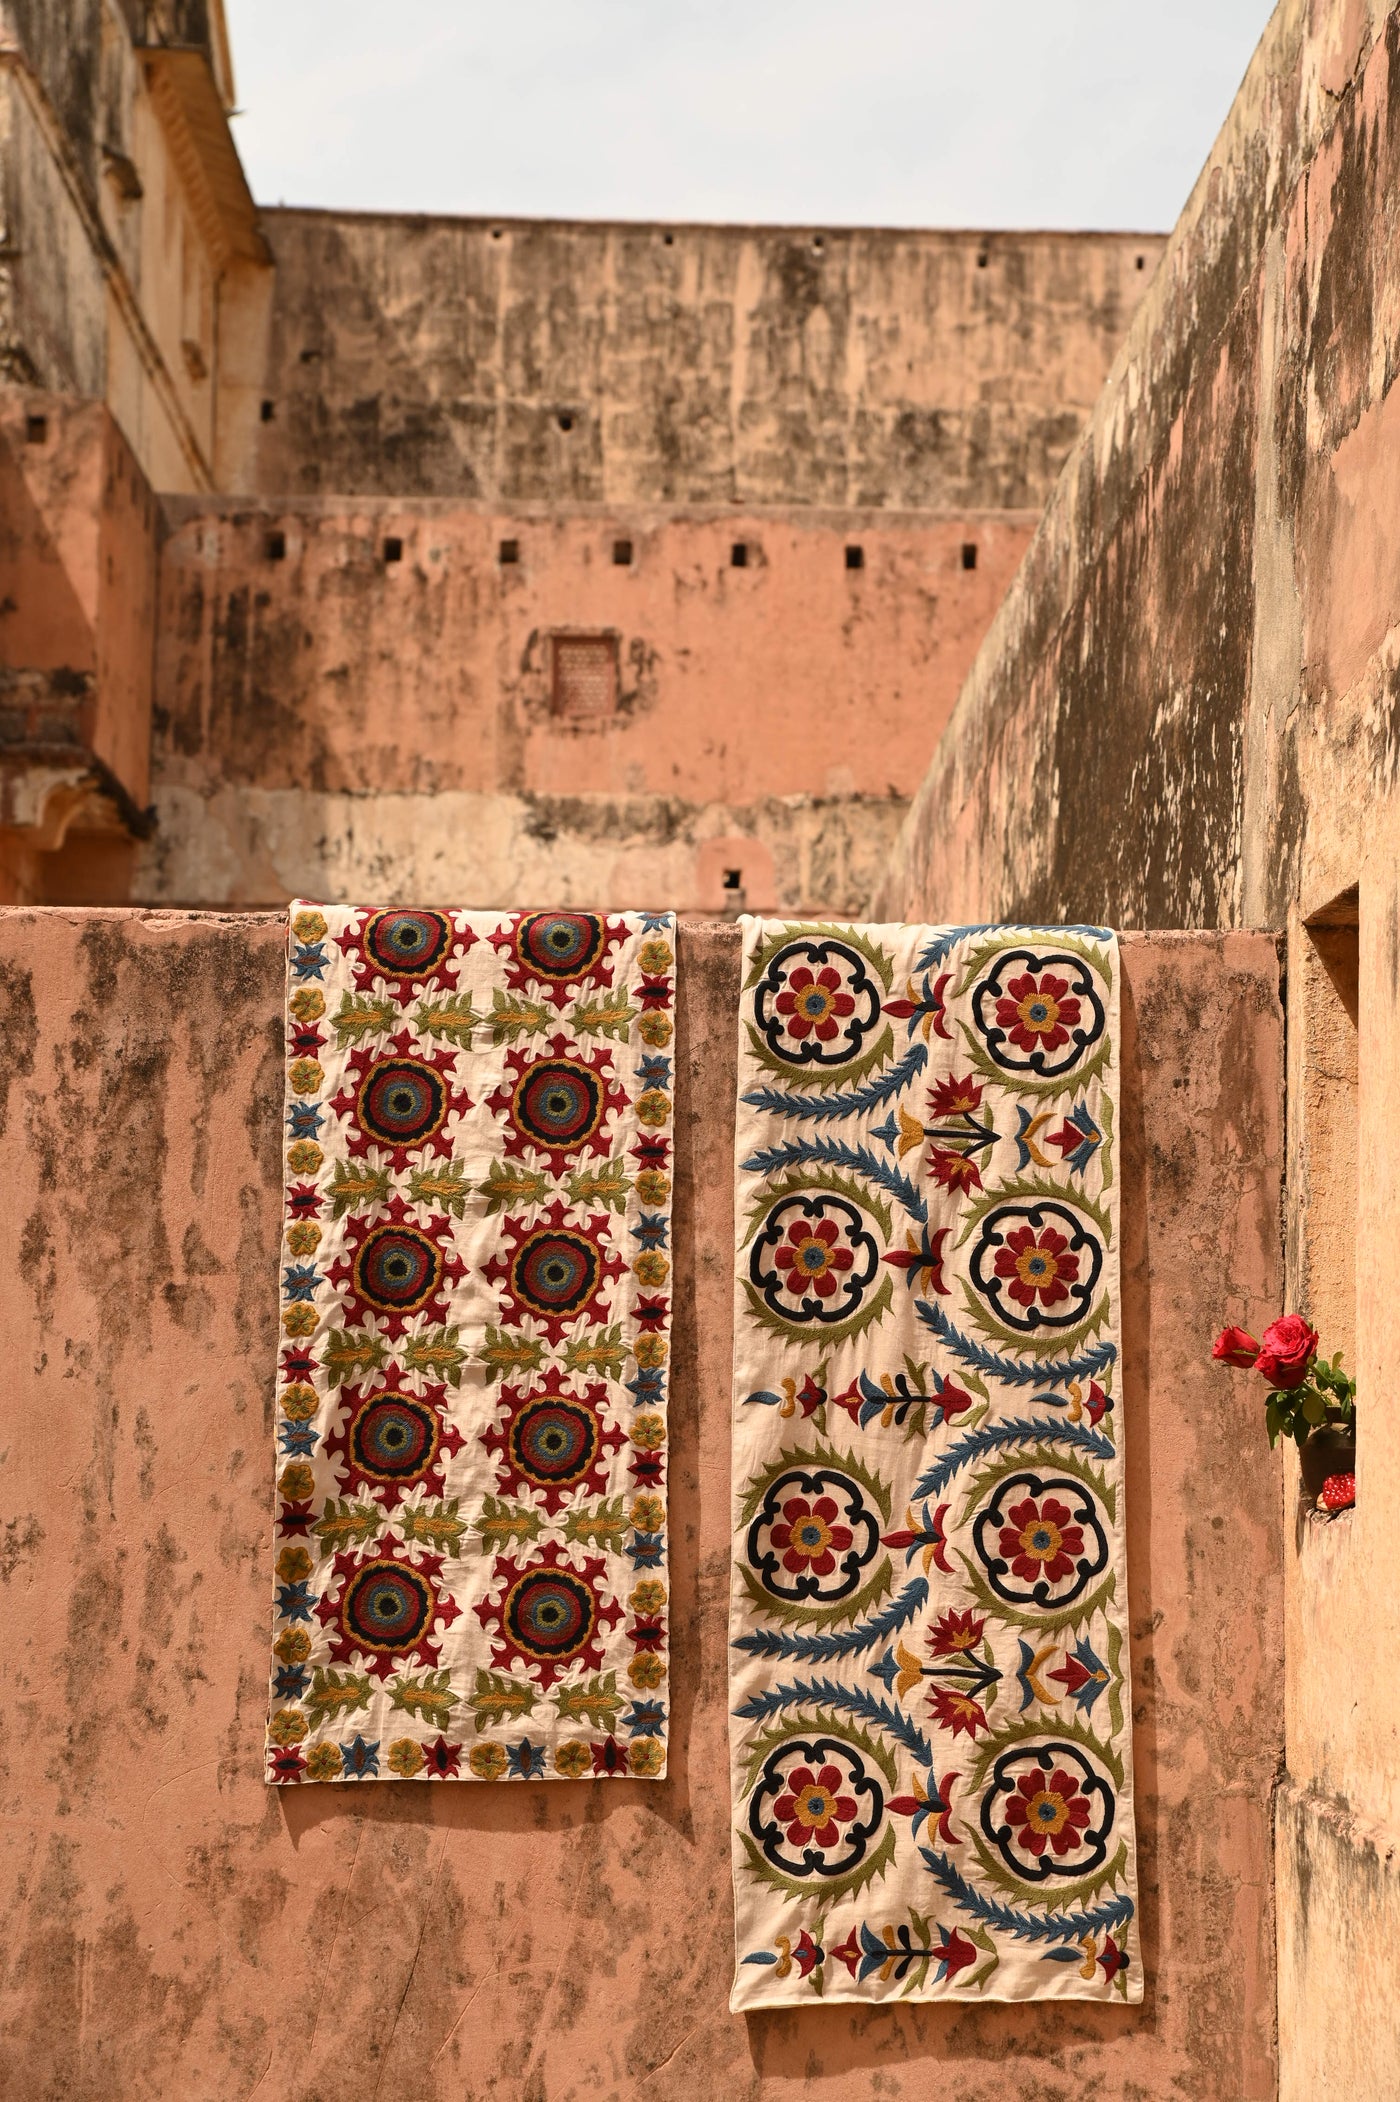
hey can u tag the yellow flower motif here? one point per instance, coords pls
(646, 1671)
(305, 1075)
(288, 1726)
(308, 1003)
(655, 956)
(300, 1403)
(323, 1763)
(648, 1514)
(300, 1320)
(573, 1760)
(293, 1646)
(653, 1187)
(651, 1267)
(406, 1758)
(648, 1433)
(303, 1238)
(293, 1564)
(304, 1157)
(309, 926)
(650, 1351)
(297, 1481)
(648, 1597)
(487, 1761)
(645, 1757)
(655, 1029)
(653, 1108)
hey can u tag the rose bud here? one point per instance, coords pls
(1287, 1350)
(1237, 1347)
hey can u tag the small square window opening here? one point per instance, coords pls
(268, 411)
(733, 879)
(584, 684)
(510, 551)
(969, 554)
(855, 558)
(622, 553)
(739, 555)
(393, 549)
(275, 547)
(36, 430)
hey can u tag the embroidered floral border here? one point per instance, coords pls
(475, 1309)
(931, 1717)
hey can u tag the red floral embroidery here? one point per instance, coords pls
(811, 1258)
(809, 1537)
(1043, 1264)
(1040, 1541)
(1035, 1012)
(812, 1003)
(814, 1810)
(1047, 1813)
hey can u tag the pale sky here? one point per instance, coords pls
(1054, 113)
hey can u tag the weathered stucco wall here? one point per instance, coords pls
(332, 722)
(177, 1929)
(511, 361)
(1187, 712)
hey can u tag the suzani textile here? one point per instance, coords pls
(475, 1309)
(931, 1720)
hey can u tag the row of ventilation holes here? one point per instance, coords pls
(509, 552)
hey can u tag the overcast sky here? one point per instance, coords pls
(1091, 113)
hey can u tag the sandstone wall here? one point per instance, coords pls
(1187, 713)
(175, 1928)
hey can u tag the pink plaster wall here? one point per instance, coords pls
(175, 1929)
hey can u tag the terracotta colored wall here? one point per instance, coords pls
(313, 711)
(1187, 712)
(515, 361)
(176, 1929)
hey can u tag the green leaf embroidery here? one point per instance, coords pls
(500, 1523)
(336, 1693)
(355, 1185)
(362, 1014)
(514, 1354)
(453, 1018)
(597, 1702)
(607, 1185)
(602, 1350)
(435, 1525)
(495, 1698)
(511, 1015)
(348, 1525)
(431, 1696)
(604, 1018)
(352, 1354)
(603, 1526)
(442, 1186)
(508, 1184)
(438, 1352)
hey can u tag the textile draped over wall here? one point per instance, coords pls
(471, 1562)
(931, 1718)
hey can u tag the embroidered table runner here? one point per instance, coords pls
(931, 1720)
(471, 1557)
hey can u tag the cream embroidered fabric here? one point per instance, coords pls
(475, 1308)
(931, 1718)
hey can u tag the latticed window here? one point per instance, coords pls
(585, 677)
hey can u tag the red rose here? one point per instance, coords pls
(1287, 1351)
(1237, 1347)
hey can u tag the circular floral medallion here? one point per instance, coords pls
(398, 1269)
(1040, 1539)
(559, 945)
(558, 1103)
(813, 1537)
(1048, 1811)
(817, 1805)
(554, 1272)
(554, 1441)
(816, 1004)
(550, 1614)
(387, 1607)
(1038, 1013)
(407, 944)
(394, 1438)
(401, 1102)
(1037, 1265)
(814, 1258)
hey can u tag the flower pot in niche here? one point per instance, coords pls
(1330, 1449)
